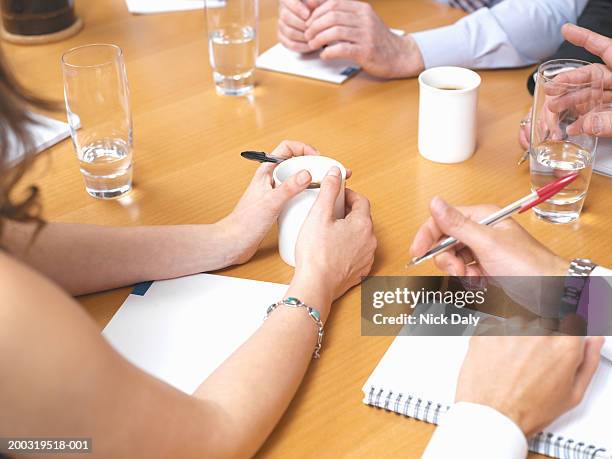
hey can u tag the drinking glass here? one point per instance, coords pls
(232, 44)
(566, 92)
(98, 107)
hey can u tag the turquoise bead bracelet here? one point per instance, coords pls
(315, 315)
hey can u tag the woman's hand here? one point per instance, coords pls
(333, 255)
(261, 203)
(504, 249)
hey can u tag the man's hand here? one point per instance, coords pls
(597, 123)
(530, 379)
(351, 30)
(292, 16)
(504, 249)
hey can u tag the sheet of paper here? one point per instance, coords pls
(180, 330)
(428, 367)
(603, 157)
(45, 133)
(168, 6)
(280, 59)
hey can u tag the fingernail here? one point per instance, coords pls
(303, 177)
(597, 125)
(438, 206)
(334, 172)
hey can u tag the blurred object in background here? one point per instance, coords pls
(30, 22)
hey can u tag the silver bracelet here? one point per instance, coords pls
(293, 302)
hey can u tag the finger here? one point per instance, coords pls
(330, 189)
(347, 6)
(296, 46)
(331, 19)
(297, 7)
(586, 370)
(466, 255)
(597, 124)
(334, 34)
(288, 17)
(291, 33)
(454, 223)
(289, 188)
(290, 148)
(430, 233)
(523, 139)
(312, 4)
(340, 51)
(264, 173)
(357, 205)
(579, 75)
(593, 42)
(450, 263)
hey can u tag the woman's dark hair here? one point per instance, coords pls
(15, 121)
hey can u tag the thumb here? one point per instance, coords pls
(598, 124)
(453, 223)
(289, 188)
(330, 189)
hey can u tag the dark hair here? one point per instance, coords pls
(15, 118)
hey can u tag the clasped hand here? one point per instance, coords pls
(348, 29)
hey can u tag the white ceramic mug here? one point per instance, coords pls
(296, 210)
(448, 98)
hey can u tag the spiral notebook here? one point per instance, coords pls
(417, 378)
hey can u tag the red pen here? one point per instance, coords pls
(532, 199)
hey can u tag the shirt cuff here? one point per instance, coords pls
(470, 430)
(444, 46)
(601, 271)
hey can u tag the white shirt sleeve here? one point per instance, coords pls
(512, 33)
(601, 271)
(472, 431)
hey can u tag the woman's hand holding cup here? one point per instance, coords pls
(332, 255)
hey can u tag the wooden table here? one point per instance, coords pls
(187, 170)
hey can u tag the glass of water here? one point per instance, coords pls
(98, 107)
(232, 44)
(567, 92)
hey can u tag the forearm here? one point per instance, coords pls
(89, 258)
(256, 384)
(513, 33)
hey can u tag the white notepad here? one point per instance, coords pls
(280, 59)
(168, 6)
(603, 157)
(181, 330)
(417, 377)
(45, 133)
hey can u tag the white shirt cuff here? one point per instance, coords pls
(470, 430)
(444, 46)
(601, 271)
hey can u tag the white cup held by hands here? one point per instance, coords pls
(448, 99)
(296, 210)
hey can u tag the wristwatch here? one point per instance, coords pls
(575, 282)
(581, 267)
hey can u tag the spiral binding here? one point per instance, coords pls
(565, 448)
(425, 410)
(407, 405)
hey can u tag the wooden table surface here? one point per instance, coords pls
(187, 170)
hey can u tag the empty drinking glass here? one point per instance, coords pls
(232, 44)
(98, 107)
(567, 91)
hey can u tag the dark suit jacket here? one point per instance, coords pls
(597, 16)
